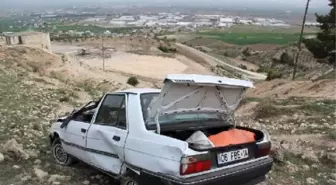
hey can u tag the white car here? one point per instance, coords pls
(149, 136)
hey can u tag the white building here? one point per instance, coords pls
(148, 18)
(184, 23)
(137, 23)
(226, 20)
(225, 25)
(245, 21)
(118, 23)
(124, 18)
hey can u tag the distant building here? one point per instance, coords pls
(124, 18)
(222, 24)
(312, 24)
(227, 20)
(245, 21)
(118, 23)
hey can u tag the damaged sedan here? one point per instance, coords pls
(182, 134)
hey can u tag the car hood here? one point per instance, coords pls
(197, 93)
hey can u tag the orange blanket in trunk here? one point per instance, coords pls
(232, 137)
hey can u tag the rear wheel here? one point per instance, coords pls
(59, 154)
(131, 179)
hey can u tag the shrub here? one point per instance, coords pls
(243, 66)
(133, 81)
(166, 49)
(332, 134)
(286, 58)
(273, 74)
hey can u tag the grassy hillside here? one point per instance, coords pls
(248, 34)
(246, 38)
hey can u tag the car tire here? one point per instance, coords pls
(60, 156)
(130, 180)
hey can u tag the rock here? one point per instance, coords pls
(54, 178)
(333, 176)
(2, 157)
(331, 181)
(25, 178)
(278, 154)
(310, 155)
(15, 150)
(306, 167)
(292, 168)
(40, 174)
(86, 182)
(331, 157)
(326, 125)
(311, 181)
(37, 162)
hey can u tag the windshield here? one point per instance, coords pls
(147, 98)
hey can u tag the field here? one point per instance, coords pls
(246, 35)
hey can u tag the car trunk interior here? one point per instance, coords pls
(184, 134)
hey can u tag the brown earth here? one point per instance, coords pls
(263, 47)
(281, 88)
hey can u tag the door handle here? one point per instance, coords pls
(116, 138)
(83, 130)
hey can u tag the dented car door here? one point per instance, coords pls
(107, 133)
(74, 137)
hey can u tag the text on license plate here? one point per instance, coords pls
(232, 156)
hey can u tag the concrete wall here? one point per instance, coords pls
(41, 40)
(11, 40)
(3, 40)
(33, 39)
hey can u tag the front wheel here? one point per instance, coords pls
(59, 154)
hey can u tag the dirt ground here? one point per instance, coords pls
(263, 47)
(147, 66)
(280, 88)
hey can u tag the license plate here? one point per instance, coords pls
(232, 156)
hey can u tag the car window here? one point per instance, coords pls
(112, 111)
(146, 99)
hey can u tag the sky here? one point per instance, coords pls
(262, 4)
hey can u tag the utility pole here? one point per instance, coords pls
(300, 40)
(103, 52)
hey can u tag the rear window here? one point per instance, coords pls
(146, 99)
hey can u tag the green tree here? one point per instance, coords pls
(327, 35)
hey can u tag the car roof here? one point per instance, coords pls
(140, 90)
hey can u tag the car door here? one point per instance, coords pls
(73, 138)
(107, 133)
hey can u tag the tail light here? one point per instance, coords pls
(194, 164)
(263, 149)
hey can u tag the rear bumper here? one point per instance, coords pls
(247, 174)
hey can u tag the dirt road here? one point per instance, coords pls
(213, 61)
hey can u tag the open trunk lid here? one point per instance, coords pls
(183, 93)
